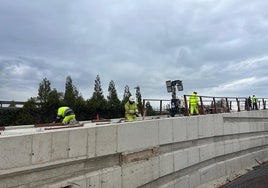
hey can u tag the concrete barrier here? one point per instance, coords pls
(173, 152)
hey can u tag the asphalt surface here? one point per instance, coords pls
(257, 178)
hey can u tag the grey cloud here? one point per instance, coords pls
(204, 43)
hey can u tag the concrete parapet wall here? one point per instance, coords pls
(172, 152)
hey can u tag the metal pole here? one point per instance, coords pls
(186, 105)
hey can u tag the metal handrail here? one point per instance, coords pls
(212, 104)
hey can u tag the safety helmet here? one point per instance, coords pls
(131, 99)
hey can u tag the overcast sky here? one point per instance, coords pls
(216, 47)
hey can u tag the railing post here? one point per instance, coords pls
(160, 107)
(202, 106)
(227, 104)
(186, 105)
(264, 104)
(143, 113)
(143, 108)
(214, 105)
(246, 104)
(238, 104)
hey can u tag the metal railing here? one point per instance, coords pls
(160, 101)
(213, 105)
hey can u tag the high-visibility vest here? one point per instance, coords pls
(62, 110)
(194, 99)
(254, 99)
(130, 111)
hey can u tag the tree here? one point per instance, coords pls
(52, 105)
(54, 98)
(97, 102)
(43, 99)
(9, 116)
(80, 109)
(149, 109)
(114, 104)
(29, 114)
(138, 97)
(49, 101)
(126, 95)
(71, 93)
(43, 91)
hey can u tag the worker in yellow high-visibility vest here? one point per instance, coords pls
(254, 103)
(194, 104)
(131, 110)
(66, 114)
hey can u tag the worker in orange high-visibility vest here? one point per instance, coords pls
(194, 104)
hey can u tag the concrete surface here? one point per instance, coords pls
(165, 152)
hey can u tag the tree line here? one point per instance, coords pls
(43, 108)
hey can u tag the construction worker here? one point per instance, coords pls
(254, 103)
(66, 114)
(249, 103)
(194, 104)
(131, 110)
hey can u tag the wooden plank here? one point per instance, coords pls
(64, 127)
(48, 124)
(100, 120)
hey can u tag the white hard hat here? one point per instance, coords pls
(131, 99)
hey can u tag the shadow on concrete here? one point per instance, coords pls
(257, 178)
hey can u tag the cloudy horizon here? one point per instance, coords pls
(217, 48)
